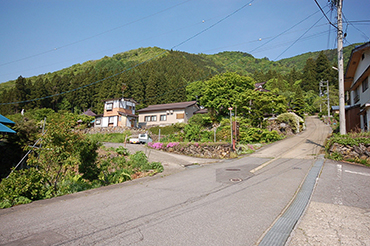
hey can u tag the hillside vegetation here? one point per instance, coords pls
(152, 76)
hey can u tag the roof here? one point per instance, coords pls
(6, 129)
(127, 114)
(168, 106)
(89, 113)
(353, 63)
(120, 98)
(5, 120)
(201, 111)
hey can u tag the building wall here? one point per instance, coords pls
(171, 116)
(353, 120)
(362, 65)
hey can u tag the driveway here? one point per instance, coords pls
(170, 161)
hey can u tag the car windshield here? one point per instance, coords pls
(142, 136)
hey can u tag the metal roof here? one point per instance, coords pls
(6, 129)
(168, 106)
(5, 120)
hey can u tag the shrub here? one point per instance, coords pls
(292, 119)
(122, 151)
(26, 183)
(156, 145)
(258, 135)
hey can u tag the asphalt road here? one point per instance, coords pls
(231, 202)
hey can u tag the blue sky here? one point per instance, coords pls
(42, 36)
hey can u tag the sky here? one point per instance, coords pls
(42, 36)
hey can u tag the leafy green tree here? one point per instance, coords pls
(222, 91)
(255, 105)
(60, 153)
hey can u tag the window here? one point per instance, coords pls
(163, 117)
(356, 95)
(111, 119)
(109, 106)
(150, 118)
(179, 116)
(365, 84)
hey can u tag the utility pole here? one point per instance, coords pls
(231, 125)
(342, 112)
(323, 84)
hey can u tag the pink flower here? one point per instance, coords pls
(170, 145)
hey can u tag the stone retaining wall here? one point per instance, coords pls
(215, 151)
(360, 152)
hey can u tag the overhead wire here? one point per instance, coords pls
(95, 35)
(325, 15)
(299, 38)
(125, 70)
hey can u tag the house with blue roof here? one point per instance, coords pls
(3, 122)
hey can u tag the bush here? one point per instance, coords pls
(22, 186)
(258, 135)
(292, 120)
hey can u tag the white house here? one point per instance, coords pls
(118, 112)
(166, 114)
(356, 82)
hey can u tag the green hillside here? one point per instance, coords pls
(154, 75)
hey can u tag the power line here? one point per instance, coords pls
(94, 36)
(325, 15)
(298, 38)
(114, 75)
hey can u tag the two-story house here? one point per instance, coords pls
(166, 114)
(118, 112)
(356, 83)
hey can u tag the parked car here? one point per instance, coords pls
(141, 139)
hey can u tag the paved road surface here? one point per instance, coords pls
(231, 202)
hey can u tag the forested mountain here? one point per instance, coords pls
(154, 75)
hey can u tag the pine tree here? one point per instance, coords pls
(309, 76)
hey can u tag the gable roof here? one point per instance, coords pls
(353, 63)
(168, 106)
(89, 112)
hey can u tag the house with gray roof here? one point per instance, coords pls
(167, 114)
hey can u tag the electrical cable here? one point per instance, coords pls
(96, 35)
(125, 70)
(325, 14)
(298, 38)
(350, 22)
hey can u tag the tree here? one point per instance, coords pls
(298, 104)
(222, 91)
(309, 76)
(62, 151)
(256, 105)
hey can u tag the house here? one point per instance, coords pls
(166, 114)
(356, 83)
(117, 112)
(259, 87)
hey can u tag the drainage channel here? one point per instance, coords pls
(280, 231)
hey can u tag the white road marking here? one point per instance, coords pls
(359, 173)
(338, 195)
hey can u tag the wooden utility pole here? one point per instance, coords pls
(342, 110)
